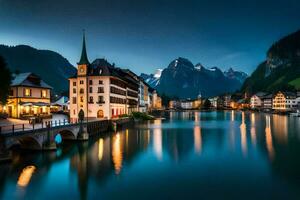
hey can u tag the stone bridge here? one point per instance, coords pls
(44, 138)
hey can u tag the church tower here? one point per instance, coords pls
(83, 64)
(82, 80)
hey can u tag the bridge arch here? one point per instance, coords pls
(66, 134)
(27, 142)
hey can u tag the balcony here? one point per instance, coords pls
(100, 102)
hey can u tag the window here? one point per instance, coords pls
(91, 90)
(91, 99)
(117, 100)
(74, 83)
(44, 93)
(81, 91)
(74, 90)
(100, 90)
(74, 100)
(27, 92)
(100, 82)
(100, 99)
(74, 112)
(81, 82)
(91, 82)
(115, 90)
(81, 99)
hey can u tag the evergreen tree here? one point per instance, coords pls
(5, 80)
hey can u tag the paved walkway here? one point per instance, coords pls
(20, 125)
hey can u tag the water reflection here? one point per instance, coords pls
(232, 115)
(269, 140)
(280, 128)
(157, 140)
(100, 149)
(243, 134)
(159, 152)
(117, 152)
(197, 133)
(253, 129)
(26, 175)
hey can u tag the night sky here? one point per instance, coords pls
(146, 35)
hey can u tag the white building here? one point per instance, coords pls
(256, 101)
(101, 90)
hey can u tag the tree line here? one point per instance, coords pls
(5, 80)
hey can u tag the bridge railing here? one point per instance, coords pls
(13, 128)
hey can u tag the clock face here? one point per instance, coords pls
(81, 69)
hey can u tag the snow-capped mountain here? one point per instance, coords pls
(152, 79)
(185, 80)
(238, 75)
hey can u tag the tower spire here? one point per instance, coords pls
(83, 59)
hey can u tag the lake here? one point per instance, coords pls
(188, 155)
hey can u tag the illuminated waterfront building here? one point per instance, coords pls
(285, 101)
(101, 89)
(29, 96)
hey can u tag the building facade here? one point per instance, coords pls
(143, 96)
(216, 102)
(156, 101)
(256, 101)
(285, 101)
(101, 90)
(29, 97)
(267, 102)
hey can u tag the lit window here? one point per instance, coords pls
(44, 93)
(27, 92)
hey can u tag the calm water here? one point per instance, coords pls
(213, 155)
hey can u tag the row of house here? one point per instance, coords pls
(187, 104)
(100, 89)
(281, 101)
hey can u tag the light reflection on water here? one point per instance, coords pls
(168, 159)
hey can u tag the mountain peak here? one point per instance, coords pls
(181, 62)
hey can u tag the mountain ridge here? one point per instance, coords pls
(189, 80)
(281, 68)
(51, 66)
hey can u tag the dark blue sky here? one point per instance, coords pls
(145, 35)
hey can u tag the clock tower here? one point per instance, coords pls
(82, 68)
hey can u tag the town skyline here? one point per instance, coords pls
(237, 36)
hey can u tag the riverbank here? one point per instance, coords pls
(276, 112)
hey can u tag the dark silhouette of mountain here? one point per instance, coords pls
(280, 70)
(49, 65)
(184, 80)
